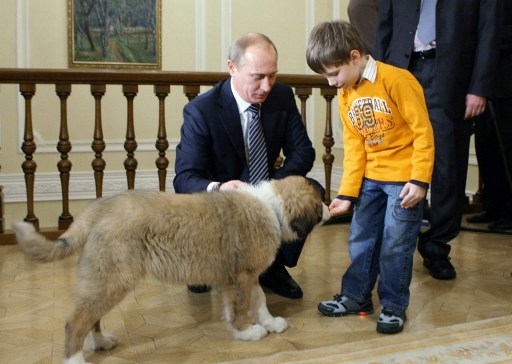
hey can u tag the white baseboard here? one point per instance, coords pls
(81, 187)
(47, 186)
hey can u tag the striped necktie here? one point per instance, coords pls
(258, 163)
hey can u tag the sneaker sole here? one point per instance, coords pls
(389, 330)
(334, 314)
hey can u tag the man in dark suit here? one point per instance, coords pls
(213, 151)
(493, 139)
(455, 68)
(364, 15)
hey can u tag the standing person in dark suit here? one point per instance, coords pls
(213, 151)
(493, 139)
(364, 15)
(454, 60)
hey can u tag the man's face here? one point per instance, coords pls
(254, 77)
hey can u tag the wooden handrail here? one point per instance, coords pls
(130, 80)
(144, 77)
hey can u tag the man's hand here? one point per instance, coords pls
(233, 184)
(475, 105)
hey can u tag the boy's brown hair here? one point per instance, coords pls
(330, 44)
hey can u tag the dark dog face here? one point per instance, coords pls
(302, 203)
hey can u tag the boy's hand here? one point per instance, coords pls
(339, 207)
(412, 194)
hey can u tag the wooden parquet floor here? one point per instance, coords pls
(167, 324)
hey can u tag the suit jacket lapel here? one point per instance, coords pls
(269, 121)
(230, 119)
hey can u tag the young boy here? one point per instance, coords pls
(387, 167)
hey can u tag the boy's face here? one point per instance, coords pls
(346, 75)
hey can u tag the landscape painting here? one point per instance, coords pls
(114, 33)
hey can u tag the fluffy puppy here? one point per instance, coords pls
(223, 239)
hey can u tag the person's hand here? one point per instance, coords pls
(475, 105)
(412, 195)
(233, 184)
(339, 207)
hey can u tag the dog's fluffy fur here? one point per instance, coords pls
(223, 239)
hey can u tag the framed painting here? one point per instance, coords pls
(114, 33)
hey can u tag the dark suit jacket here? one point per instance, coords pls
(466, 45)
(364, 16)
(503, 87)
(212, 146)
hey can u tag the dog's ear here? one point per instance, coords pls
(317, 186)
(302, 225)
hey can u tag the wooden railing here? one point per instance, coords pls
(28, 79)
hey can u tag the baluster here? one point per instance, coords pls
(130, 145)
(303, 93)
(64, 147)
(98, 144)
(191, 91)
(328, 141)
(28, 147)
(162, 91)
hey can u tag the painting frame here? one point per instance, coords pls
(125, 37)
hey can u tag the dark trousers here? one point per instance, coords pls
(447, 191)
(494, 154)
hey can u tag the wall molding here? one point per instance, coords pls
(200, 30)
(47, 185)
(226, 29)
(81, 186)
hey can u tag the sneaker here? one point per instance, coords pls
(342, 305)
(390, 322)
(425, 225)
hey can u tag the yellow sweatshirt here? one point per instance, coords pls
(387, 133)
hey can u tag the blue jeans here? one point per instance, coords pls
(381, 244)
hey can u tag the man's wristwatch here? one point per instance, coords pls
(216, 187)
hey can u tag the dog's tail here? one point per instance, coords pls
(38, 248)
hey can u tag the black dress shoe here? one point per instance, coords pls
(505, 223)
(279, 281)
(198, 288)
(440, 267)
(484, 217)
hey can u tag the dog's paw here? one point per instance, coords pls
(277, 324)
(99, 341)
(78, 358)
(252, 333)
